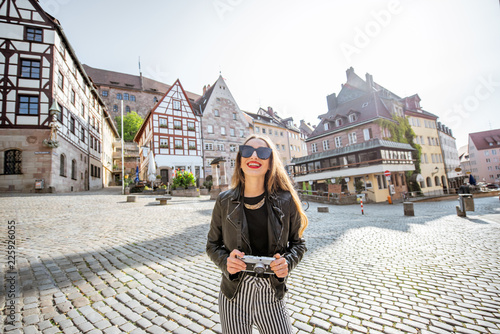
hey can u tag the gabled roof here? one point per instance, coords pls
(146, 118)
(202, 101)
(368, 107)
(263, 116)
(486, 139)
(130, 82)
(305, 128)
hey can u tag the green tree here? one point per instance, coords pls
(402, 132)
(131, 124)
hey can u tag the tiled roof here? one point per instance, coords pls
(367, 107)
(352, 149)
(129, 82)
(486, 139)
(202, 100)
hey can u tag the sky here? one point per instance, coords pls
(291, 54)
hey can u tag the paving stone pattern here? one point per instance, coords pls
(93, 263)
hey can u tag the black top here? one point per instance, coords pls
(257, 226)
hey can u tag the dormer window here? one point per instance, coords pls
(352, 118)
(338, 122)
(326, 126)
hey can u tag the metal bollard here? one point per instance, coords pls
(408, 209)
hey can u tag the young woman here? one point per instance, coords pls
(260, 215)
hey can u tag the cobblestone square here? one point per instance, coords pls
(93, 263)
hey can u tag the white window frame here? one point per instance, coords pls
(326, 145)
(353, 139)
(210, 128)
(314, 148)
(338, 141)
(366, 133)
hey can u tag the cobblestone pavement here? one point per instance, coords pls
(93, 263)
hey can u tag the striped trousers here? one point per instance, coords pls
(254, 304)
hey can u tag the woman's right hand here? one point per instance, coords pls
(234, 264)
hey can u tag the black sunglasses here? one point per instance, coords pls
(262, 152)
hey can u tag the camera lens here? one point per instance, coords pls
(259, 268)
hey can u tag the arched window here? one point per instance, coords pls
(62, 166)
(13, 162)
(73, 169)
(443, 181)
(436, 180)
(428, 181)
(127, 109)
(115, 108)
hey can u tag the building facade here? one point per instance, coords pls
(484, 155)
(424, 124)
(172, 132)
(283, 133)
(224, 127)
(451, 160)
(137, 92)
(352, 146)
(56, 133)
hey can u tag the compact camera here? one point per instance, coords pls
(258, 264)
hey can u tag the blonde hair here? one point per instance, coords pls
(276, 178)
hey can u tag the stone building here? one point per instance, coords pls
(224, 127)
(138, 93)
(56, 134)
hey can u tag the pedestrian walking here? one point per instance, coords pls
(257, 224)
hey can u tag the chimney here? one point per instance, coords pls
(331, 100)
(369, 82)
(270, 111)
(204, 89)
(349, 71)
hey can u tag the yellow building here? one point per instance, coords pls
(423, 123)
(283, 133)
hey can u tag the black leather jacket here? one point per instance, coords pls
(283, 231)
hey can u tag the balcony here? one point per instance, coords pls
(374, 156)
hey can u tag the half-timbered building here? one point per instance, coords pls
(56, 134)
(171, 131)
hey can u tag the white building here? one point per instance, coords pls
(41, 149)
(450, 156)
(172, 131)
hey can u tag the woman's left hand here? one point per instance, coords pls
(279, 266)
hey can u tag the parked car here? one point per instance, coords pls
(493, 186)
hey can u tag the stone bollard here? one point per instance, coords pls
(132, 198)
(408, 209)
(323, 209)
